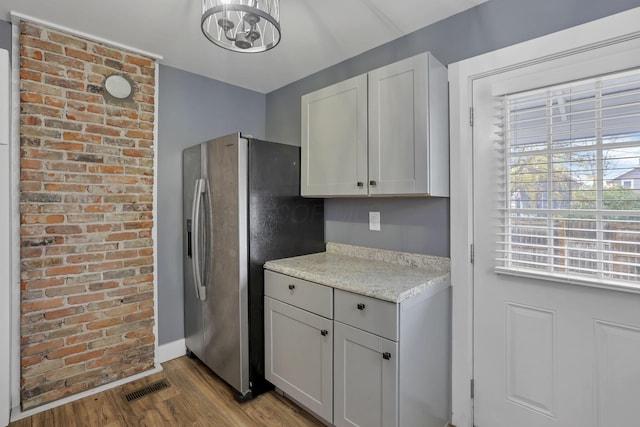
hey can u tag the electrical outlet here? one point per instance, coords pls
(374, 221)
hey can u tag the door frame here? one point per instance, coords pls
(596, 34)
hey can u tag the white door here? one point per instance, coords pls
(299, 355)
(334, 140)
(365, 379)
(548, 353)
(398, 134)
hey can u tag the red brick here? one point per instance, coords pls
(103, 130)
(84, 258)
(137, 60)
(66, 351)
(64, 146)
(83, 357)
(67, 40)
(65, 312)
(29, 307)
(146, 314)
(65, 270)
(81, 137)
(104, 361)
(139, 134)
(30, 75)
(44, 283)
(105, 323)
(55, 70)
(84, 337)
(27, 52)
(121, 236)
(33, 98)
(41, 348)
(42, 219)
(40, 44)
(64, 229)
(67, 166)
(82, 318)
(30, 164)
(106, 266)
(84, 299)
(54, 102)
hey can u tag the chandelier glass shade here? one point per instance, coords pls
(242, 25)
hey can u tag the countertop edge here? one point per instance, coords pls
(434, 284)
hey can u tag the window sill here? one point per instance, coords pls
(613, 285)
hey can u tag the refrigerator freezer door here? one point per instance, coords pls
(225, 314)
(193, 322)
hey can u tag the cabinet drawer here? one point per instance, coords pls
(300, 293)
(366, 313)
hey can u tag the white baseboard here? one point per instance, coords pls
(17, 414)
(171, 350)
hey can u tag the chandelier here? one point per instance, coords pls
(242, 25)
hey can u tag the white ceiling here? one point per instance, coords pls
(315, 33)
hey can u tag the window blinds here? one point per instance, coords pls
(570, 187)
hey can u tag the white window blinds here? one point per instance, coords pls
(570, 194)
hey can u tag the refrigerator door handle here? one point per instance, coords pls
(200, 188)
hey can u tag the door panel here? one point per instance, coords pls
(334, 139)
(546, 354)
(225, 317)
(398, 102)
(617, 352)
(299, 355)
(365, 384)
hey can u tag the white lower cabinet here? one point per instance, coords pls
(355, 360)
(365, 379)
(299, 355)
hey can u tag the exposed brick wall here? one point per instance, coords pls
(86, 216)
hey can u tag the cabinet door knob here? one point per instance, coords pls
(360, 184)
(372, 183)
(324, 332)
(360, 306)
(292, 287)
(386, 355)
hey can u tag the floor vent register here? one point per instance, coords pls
(146, 390)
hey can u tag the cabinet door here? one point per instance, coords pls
(398, 127)
(299, 355)
(366, 383)
(334, 140)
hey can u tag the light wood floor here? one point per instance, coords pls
(196, 398)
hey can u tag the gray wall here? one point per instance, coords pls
(422, 225)
(191, 109)
(5, 36)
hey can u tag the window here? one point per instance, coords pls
(564, 214)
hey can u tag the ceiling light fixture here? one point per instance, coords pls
(242, 25)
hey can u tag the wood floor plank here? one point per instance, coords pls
(196, 397)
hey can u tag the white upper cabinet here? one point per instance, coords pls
(400, 147)
(334, 140)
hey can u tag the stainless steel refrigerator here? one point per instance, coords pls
(242, 207)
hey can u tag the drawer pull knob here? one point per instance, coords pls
(386, 355)
(324, 332)
(372, 183)
(360, 184)
(360, 306)
(292, 287)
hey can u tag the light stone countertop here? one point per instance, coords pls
(386, 275)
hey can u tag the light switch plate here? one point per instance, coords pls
(374, 221)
